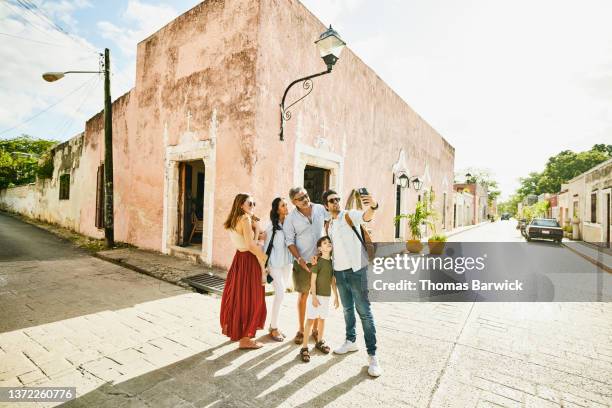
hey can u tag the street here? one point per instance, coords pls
(129, 340)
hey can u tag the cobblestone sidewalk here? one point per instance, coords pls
(169, 352)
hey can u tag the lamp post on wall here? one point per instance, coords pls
(416, 183)
(330, 46)
(109, 234)
(404, 181)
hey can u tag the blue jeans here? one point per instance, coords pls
(353, 290)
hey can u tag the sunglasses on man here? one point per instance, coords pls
(302, 198)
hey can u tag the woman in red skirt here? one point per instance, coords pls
(243, 305)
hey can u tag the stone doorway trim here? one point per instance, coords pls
(318, 157)
(196, 150)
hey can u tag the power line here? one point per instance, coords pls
(87, 95)
(39, 42)
(48, 23)
(39, 11)
(46, 109)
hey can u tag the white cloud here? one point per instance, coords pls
(140, 20)
(507, 83)
(34, 47)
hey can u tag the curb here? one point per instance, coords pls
(140, 270)
(588, 258)
(471, 227)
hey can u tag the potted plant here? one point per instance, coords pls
(436, 244)
(415, 220)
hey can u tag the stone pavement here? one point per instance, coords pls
(169, 352)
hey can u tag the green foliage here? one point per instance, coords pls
(438, 238)
(511, 205)
(561, 168)
(537, 210)
(423, 214)
(19, 160)
(45, 166)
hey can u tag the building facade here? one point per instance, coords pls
(201, 124)
(587, 201)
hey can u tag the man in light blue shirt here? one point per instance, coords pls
(303, 227)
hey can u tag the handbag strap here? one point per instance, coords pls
(269, 249)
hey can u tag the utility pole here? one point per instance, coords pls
(109, 228)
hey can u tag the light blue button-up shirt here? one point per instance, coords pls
(304, 233)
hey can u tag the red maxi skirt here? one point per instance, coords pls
(243, 304)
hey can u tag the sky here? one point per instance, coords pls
(507, 83)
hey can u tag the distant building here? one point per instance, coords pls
(587, 198)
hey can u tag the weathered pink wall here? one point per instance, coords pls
(355, 105)
(233, 59)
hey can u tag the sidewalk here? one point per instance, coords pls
(165, 267)
(466, 228)
(597, 256)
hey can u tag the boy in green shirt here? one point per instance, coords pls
(322, 282)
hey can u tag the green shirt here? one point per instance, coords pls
(325, 272)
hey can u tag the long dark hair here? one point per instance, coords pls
(274, 217)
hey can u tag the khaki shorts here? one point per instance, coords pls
(301, 278)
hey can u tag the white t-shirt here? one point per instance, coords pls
(348, 251)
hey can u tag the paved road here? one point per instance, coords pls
(45, 279)
(142, 348)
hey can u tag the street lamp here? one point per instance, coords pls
(109, 234)
(403, 180)
(416, 183)
(330, 47)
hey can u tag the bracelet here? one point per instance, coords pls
(374, 208)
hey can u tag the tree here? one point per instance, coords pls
(567, 165)
(19, 159)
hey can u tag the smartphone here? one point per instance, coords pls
(363, 191)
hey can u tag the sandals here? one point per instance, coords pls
(304, 354)
(280, 337)
(252, 345)
(322, 347)
(299, 338)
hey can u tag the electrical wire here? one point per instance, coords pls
(37, 11)
(46, 109)
(36, 41)
(87, 94)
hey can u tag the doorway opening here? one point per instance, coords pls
(316, 181)
(191, 204)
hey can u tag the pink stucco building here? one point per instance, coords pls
(202, 122)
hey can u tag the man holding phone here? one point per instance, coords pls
(350, 261)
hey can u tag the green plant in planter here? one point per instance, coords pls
(420, 216)
(438, 238)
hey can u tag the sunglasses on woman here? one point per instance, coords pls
(334, 200)
(251, 203)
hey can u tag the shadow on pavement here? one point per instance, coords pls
(205, 381)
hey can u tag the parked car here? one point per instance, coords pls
(544, 228)
(505, 216)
